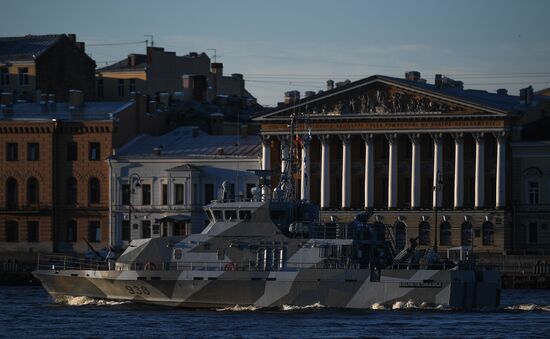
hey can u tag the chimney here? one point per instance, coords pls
(131, 60)
(292, 97)
(76, 98)
(412, 75)
(152, 108)
(309, 93)
(195, 131)
(81, 46)
(330, 84)
(526, 96)
(217, 68)
(502, 91)
(72, 37)
(438, 80)
(193, 54)
(216, 123)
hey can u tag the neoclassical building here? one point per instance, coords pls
(431, 160)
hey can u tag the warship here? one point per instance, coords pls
(271, 251)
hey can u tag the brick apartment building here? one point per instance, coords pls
(55, 177)
(34, 64)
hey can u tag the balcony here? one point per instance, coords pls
(10, 208)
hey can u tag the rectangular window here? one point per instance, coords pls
(94, 231)
(230, 215)
(244, 214)
(121, 88)
(165, 194)
(4, 76)
(32, 231)
(146, 229)
(178, 194)
(126, 230)
(132, 85)
(94, 151)
(12, 231)
(146, 194)
(156, 229)
(208, 193)
(99, 88)
(23, 76)
(71, 231)
(72, 151)
(33, 151)
(533, 235)
(125, 194)
(533, 193)
(11, 151)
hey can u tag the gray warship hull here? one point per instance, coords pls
(340, 288)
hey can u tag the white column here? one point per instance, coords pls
(438, 167)
(392, 170)
(285, 156)
(346, 170)
(369, 170)
(501, 170)
(266, 152)
(459, 170)
(480, 171)
(325, 171)
(415, 170)
(305, 177)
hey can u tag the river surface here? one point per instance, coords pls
(29, 312)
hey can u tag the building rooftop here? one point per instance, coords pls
(26, 47)
(138, 63)
(89, 111)
(191, 142)
(493, 101)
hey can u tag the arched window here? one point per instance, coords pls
(466, 234)
(12, 231)
(400, 236)
(72, 189)
(32, 191)
(11, 193)
(445, 234)
(424, 233)
(488, 233)
(94, 191)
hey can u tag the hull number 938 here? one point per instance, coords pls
(137, 290)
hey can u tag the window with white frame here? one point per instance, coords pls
(533, 192)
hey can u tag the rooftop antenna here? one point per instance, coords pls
(214, 55)
(152, 41)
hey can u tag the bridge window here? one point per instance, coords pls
(245, 214)
(230, 215)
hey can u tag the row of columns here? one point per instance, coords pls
(392, 169)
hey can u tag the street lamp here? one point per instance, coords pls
(437, 188)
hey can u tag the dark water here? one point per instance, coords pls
(28, 312)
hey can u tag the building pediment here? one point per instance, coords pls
(385, 96)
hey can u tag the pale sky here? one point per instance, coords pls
(285, 45)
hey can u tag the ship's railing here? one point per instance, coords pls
(59, 263)
(64, 262)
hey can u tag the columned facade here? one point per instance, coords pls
(413, 160)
